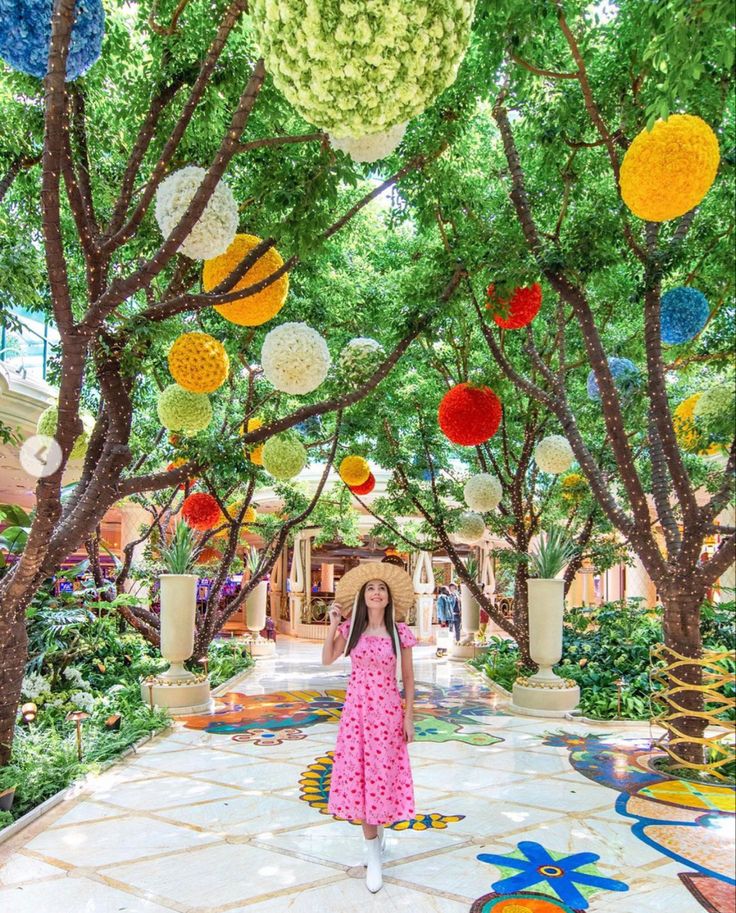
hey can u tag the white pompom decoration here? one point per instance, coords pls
(295, 358)
(370, 148)
(483, 492)
(214, 230)
(554, 454)
(471, 528)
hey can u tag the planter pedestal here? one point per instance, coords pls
(177, 689)
(545, 693)
(258, 646)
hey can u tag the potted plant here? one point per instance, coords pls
(552, 553)
(178, 601)
(255, 603)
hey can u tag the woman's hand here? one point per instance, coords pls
(335, 615)
(408, 727)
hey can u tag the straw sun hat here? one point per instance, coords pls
(398, 581)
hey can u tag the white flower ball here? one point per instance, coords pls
(554, 454)
(360, 358)
(295, 358)
(370, 148)
(471, 528)
(215, 229)
(483, 492)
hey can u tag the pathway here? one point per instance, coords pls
(206, 821)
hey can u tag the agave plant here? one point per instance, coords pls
(252, 559)
(179, 555)
(472, 566)
(554, 551)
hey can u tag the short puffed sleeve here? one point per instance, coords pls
(344, 628)
(406, 637)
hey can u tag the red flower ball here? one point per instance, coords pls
(520, 310)
(469, 415)
(366, 488)
(201, 511)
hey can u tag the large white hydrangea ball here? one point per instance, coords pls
(554, 454)
(360, 358)
(483, 492)
(295, 358)
(471, 528)
(358, 67)
(214, 230)
(370, 148)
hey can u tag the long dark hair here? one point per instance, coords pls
(361, 618)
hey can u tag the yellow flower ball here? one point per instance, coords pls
(668, 171)
(198, 362)
(255, 309)
(256, 454)
(683, 420)
(354, 470)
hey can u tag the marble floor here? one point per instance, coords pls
(227, 812)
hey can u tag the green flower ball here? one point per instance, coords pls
(284, 457)
(359, 359)
(47, 422)
(180, 410)
(358, 67)
(715, 413)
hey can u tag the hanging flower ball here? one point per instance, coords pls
(209, 555)
(370, 148)
(471, 527)
(295, 358)
(47, 424)
(625, 376)
(256, 454)
(284, 456)
(180, 410)
(469, 414)
(715, 412)
(253, 310)
(574, 487)
(201, 511)
(360, 358)
(25, 36)
(175, 465)
(483, 492)
(519, 310)
(354, 470)
(366, 488)
(684, 311)
(554, 454)
(360, 67)
(198, 362)
(668, 170)
(214, 230)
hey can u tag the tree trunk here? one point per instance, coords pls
(14, 639)
(521, 614)
(682, 634)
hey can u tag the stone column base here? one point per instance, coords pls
(182, 697)
(531, 700)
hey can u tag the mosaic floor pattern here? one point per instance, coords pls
(226, 813)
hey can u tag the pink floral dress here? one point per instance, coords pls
(371, 777)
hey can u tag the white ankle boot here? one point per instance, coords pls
(382, 843)
(373, 876)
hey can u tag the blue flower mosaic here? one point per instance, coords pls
(683, 314)
(25, 36)
(571, 878)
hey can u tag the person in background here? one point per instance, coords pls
(444, 607)
(456, 610)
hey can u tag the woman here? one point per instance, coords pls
(371, 776)
(444, 608)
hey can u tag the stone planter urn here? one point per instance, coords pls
(469, 625)
(177, 689)
(545, 693)
(255, 620)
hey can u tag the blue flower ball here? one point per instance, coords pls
(684, 313)
(25, 36)
(625, 376)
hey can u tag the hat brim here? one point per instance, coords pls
(396, 578)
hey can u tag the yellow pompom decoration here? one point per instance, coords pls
(683, 420)
(354, 470)
(256, 454)
(668, 170)
(255, 309)
(198, 362)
